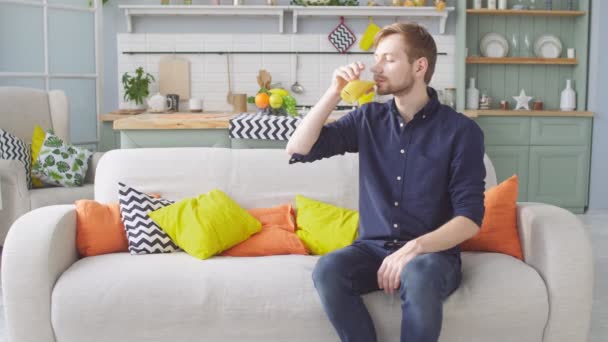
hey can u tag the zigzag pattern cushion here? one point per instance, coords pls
(144, 236)
(13, 148)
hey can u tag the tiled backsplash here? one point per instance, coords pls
(209, 71)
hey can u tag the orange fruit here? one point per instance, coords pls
(262, 100)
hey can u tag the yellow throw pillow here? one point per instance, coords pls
(37, 141)
(323, 227)
(206, 225)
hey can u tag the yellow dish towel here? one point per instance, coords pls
(368, 36)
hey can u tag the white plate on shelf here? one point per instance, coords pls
(548, 46)
(494, 45)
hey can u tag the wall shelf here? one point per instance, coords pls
(279, 11)
(499, 112)
(202, 10)
(538, 13)
(371, 11)
(522, 60)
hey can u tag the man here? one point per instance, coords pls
(421, 182)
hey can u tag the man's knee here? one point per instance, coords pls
(420, 275)
(328, 273)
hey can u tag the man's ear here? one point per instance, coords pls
(421, 64)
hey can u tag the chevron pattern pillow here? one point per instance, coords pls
(144, 236)
(13, 148)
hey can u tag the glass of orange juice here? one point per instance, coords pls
(356, 89)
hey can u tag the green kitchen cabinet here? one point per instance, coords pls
(110, 139)
(510, 160)
(550, 155)
(257, 143)
(174, 138)
(559, 175)
(503, 130)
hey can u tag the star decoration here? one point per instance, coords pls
(522, 100)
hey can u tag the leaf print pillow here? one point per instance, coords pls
(61, 164)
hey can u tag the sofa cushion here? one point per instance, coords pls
(206, 225)
(175, 297)
(59, 195)
(498, 232)
(324, 227)
(13, 148)
(276, 237)
(60, 163)
(143, 234)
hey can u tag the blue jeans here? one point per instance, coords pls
(341, 277)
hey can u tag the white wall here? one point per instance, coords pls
(209, 79)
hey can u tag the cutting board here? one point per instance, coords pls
(174, 76)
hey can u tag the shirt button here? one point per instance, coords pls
(395, 225)
(398, 178)
(401, 124)
(396, 204)
(424, 116)
(402, 151)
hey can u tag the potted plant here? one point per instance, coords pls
(137, 87)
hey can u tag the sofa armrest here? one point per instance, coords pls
(556, 244)
(14, 192)
(39, 247)
(90, 176)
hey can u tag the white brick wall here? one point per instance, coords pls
(209, 79)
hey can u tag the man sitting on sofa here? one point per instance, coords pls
(421, 185)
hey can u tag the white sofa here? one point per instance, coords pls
(52, 295)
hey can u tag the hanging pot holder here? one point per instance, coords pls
(342, 38)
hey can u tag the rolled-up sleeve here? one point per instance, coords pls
(335, 138)
(467, 176)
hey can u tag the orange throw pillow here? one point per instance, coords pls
(276, 237)
(99, 228)
(498, 231)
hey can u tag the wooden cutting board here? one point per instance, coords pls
(174, 76)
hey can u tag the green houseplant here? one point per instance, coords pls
(137, 87)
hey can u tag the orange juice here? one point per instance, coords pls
(355, 89)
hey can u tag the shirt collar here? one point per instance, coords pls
(429, 109)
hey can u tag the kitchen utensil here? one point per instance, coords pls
(264, 79)
(297, 87)
(494, 45)
(173, 102)
(342, 38)
(548, 46)
(229, 95)
(174, 76)
(157, 103)
(368, 36)
(355, 89)
(239, 103)
(195, 105)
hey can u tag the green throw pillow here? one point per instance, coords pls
(324, 227)
(61, 164)
(206, 225)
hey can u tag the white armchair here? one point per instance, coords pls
(20, 110)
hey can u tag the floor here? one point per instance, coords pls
(596, 222)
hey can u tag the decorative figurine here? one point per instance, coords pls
(522, 100)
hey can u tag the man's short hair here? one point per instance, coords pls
(418, 43)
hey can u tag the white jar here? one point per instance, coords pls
(477, 4)
(568, 99)
(502, 4)
(492, 4)
(472, 95)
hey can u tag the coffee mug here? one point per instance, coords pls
(173, 102)
(195, 105)
(356, 89)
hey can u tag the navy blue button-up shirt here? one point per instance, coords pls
(414, 176)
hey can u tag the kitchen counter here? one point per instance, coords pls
(151, 121)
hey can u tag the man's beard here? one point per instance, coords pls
(402, 90)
